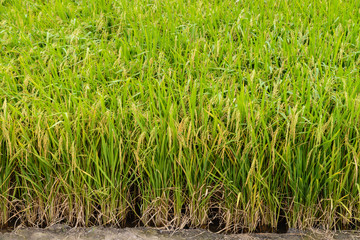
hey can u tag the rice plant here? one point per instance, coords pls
(180, 113)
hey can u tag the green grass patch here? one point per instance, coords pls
(180, 113)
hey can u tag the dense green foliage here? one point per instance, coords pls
(181, 111)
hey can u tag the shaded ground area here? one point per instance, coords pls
(62, 232)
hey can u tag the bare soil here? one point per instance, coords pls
(63, 232)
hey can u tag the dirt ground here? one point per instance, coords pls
(62, 232)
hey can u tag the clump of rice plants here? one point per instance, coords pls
(180, 113)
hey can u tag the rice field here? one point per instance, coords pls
(235, 115)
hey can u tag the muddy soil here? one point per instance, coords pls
(62, 232)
